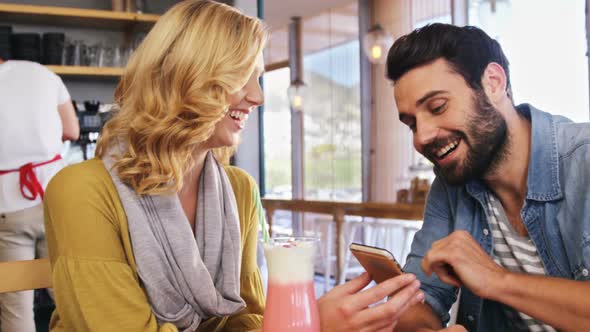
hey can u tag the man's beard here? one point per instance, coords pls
(486, 141)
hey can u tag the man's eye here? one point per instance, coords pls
(439, 109)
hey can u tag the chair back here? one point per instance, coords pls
(24, 275)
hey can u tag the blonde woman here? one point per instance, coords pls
(156, 234)
(122, 227)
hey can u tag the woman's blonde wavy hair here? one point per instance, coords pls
(175, 89)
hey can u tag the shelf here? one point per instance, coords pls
(87, 71)
(63, 16)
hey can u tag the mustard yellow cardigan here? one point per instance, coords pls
(93, 269)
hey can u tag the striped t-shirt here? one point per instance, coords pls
(517, 254)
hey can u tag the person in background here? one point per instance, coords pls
(158, 233)
(36, 116)
(507, 219)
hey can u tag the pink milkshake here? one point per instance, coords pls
(290, 303)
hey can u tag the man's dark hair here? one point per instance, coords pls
(467, 49)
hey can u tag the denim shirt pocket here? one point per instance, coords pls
(582, 268)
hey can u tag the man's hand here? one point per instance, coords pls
(346, 307)
(453, 328)
(459, 260)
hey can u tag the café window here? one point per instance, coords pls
(545, 42)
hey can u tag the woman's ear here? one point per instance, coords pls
(494, 82)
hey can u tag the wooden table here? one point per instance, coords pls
(338, 210)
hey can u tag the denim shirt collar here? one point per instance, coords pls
(543, 175)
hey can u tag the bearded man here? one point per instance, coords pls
(507, 220)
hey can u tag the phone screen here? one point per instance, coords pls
(378, 262)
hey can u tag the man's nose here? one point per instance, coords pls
(425, 133)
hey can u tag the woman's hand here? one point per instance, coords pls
(346, 307)
(454, 328)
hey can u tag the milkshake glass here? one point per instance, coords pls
(291, 305)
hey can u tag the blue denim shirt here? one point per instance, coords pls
(556, 214)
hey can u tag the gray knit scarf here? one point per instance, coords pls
(187, 281)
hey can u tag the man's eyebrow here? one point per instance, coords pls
(428, 95)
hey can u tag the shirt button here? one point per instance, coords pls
(470, 318)
(585, 272)
(486, 232)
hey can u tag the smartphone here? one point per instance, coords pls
(379, 262)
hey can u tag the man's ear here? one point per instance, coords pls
(494, 82)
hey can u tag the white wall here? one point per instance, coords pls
(391, 140)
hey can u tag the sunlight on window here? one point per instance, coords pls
(545, 42)
(277, 134)
(332, 124)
